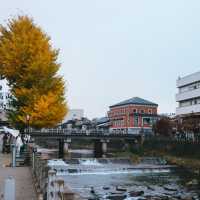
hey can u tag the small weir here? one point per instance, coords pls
(111, 179)
(119, 178)
(105, 166)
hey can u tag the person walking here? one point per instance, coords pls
(1, 142)
(5, 139)
(19, 143)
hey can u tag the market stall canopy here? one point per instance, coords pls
(13, 132)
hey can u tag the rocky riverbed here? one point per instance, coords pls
(131, 187)
(119, 179)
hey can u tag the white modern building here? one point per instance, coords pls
(74, 114)
(5, 95)
(188, 96)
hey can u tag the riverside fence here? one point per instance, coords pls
(48, 186)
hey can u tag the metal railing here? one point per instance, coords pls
(85, 133)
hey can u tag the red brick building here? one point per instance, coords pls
(133, 115)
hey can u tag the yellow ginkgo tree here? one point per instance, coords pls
(29, 63)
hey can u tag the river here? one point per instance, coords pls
(120, 179)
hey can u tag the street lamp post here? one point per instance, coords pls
(27, 120)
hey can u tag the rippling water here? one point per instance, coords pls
(131, 181)
(125, 180)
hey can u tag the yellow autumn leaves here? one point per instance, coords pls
(29, 63)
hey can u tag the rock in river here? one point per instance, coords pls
(170, 187)
(116, 197)
(136, 193)
(106, 188)
(121, 189)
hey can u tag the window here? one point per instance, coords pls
(146, 121)
(121, 122)
(192, 86)
(185, 103)
(142, 111)
(135, 110)
(150, 111)
(136, 121)
(189, 102)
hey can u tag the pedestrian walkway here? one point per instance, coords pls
(23, 180)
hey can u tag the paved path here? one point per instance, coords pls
(23, 180)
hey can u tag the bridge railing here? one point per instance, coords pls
(92, 132)
(67, 131)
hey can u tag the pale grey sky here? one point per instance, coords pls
(112, 50)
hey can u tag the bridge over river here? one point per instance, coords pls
(100, 138)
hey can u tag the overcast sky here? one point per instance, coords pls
(112, 50)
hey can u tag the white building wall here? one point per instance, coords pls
(188, 110)
(74, 114)
(4, 95)
(188, 95)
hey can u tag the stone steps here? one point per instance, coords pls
(23, 158)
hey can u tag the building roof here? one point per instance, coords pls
(102, 120)
(135, 100)
(186, 80)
